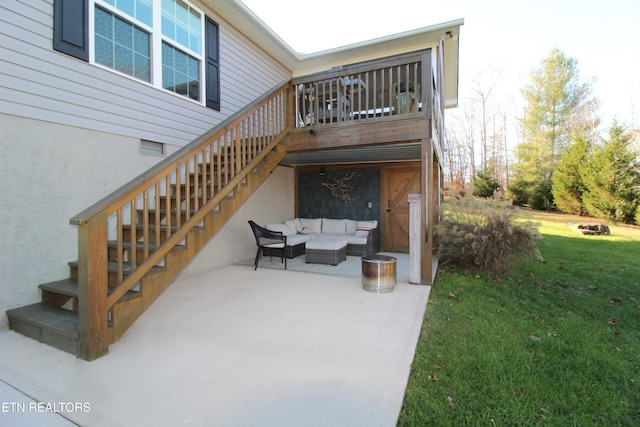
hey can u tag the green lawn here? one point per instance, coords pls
(555, 343)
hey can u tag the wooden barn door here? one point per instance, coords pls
(398, 181)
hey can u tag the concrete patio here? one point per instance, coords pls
(232, 347)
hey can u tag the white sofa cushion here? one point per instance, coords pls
(331, 236)
(354, 239)
(297, 239)
(293, 224)
(323, 243)
(334, 226)
(282, 228)
(313, 224)
(351, 226)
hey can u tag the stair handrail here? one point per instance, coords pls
(266, 121)
(135, 183)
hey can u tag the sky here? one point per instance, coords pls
(502, 38)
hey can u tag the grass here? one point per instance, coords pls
(554, 343)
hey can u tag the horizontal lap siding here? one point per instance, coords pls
(248, 71)
(42, 84)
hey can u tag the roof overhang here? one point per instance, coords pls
(244, 20)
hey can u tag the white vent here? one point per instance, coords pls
(152, 148)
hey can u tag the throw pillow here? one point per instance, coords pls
(304, 230)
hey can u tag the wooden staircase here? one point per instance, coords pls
(133, 243)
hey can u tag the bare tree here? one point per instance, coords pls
(482, 86)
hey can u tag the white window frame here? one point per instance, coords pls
(156, 36)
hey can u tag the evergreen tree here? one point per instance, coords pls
(558, 107)
(484, 185)
(611, 181)
(542, 196)
(568, 186)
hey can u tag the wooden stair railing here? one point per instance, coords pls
(164, 216)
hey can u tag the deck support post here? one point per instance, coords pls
(427, 217)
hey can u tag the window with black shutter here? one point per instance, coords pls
(125, 35)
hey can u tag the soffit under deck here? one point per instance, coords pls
(370, 154)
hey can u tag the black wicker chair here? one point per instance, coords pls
(269, 242)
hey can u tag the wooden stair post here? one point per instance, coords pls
(92, 292)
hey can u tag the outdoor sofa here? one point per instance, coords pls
(363, 237)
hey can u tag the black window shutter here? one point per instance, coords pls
(212, 67)
(70, 27)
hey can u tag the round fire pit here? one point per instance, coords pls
(378, 273)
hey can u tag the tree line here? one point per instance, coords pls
(560, 160)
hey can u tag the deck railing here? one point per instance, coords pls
(385, 88)
(128, 233)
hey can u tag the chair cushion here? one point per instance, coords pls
(274, 245)
(270, 243)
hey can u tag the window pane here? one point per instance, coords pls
(118, 42)
(127, 6)
(144, 11)
(124, 33)
(182, 35)
(141, 67)
(182, 24)
(138, 9)
(167, 56)
(141, 42)
(124, 60)
(195, 32)
(104, 24)
(180, 72)
(167, 78)
(169, 19)
(104, 51)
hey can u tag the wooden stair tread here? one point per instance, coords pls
(126, 244)
(112, 267)
(69, 287)
(58, 320)
(166, 211)
(152, 227)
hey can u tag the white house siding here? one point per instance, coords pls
(70, 132)
(40, 83)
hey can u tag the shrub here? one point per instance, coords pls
(518, 192)
(485, 234)
(484, 185)
(542, 197)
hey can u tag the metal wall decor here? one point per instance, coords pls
(340, 188)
